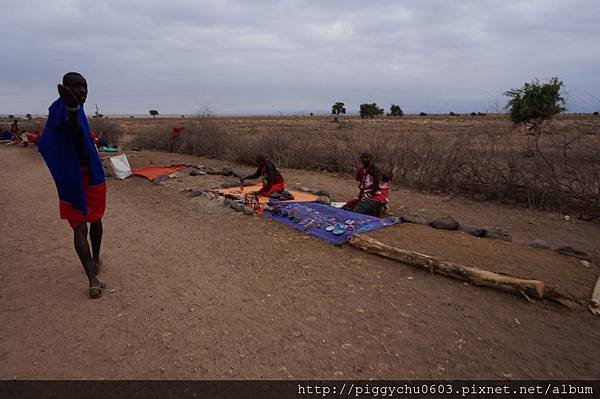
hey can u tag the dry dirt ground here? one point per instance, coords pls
(196, 291)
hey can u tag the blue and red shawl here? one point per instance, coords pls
(57, 146)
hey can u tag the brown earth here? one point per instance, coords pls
(199, 291)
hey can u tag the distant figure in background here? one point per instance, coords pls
(69, 152)
(374, 188)
(14, 130)
(272, 180)
(176, 132)
(102, 142)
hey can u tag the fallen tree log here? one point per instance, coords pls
(526, 287)
(595, 300)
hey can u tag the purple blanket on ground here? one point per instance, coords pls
(313, 219)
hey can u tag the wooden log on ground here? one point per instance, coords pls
(595, 300)
(528, 287)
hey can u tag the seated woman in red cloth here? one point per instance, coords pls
(374, 188)
(272, 180)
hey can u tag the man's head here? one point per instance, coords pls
(78, 85)
(366, 159)
(260, 160)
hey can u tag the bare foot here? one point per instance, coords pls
(96, 290)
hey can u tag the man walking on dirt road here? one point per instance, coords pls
(75, 165)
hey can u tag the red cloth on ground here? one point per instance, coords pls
(154, 172)
(95, 200)
(275, 188)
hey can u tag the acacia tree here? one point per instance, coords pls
(338, 108)
(370, 110)
(395, 110)
(153, 112)
(535, 103)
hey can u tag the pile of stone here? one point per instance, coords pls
(499, 233)
(449, 223)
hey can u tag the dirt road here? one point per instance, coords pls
(197, 291)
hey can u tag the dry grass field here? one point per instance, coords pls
(483, 157)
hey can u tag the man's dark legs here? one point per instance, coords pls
(83, 251)
(96, 239)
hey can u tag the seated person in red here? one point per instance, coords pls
(374, 187)
(272, 179)
(32, 138)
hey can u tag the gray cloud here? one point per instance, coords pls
(295, 56)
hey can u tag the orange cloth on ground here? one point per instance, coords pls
(154, 172)
(298, 195)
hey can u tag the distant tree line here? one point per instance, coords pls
(531, 104)
(366, 110)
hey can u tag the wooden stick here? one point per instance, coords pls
(529, 287)
(595, 300)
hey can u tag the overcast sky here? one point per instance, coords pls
(296, 56)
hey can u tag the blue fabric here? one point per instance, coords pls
(57, 146)
(6, 135)
(314, 218)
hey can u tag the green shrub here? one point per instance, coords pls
(535, 102)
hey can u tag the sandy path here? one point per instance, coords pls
(200, 292)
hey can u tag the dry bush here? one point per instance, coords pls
(29, 125)
(557, 171)
(153, 139)
(108, 129)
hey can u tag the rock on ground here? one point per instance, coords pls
(498, 233)
(541, 244)
(474, 231)
(445, 223)
(570, 251)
